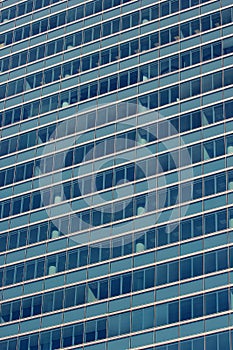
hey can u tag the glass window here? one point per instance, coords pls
(197, 306)
(186, 309)
(211, 303)
(173, 312)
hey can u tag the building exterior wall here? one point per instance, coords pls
(116, 174)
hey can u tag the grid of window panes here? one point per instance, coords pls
(116, 205)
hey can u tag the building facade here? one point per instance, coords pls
(116, 207)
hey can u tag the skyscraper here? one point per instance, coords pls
(116, 207)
